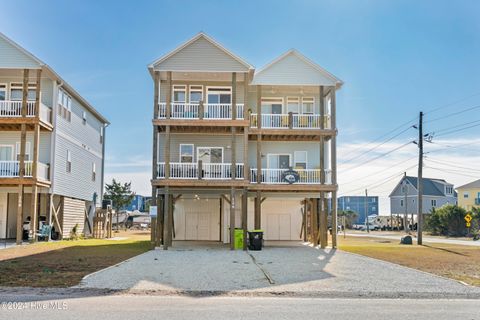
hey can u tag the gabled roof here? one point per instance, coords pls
(473, 184)
(293, 68)
(33, 62)
(208, 44)
(431, 187)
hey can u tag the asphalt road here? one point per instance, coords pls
(163, 307)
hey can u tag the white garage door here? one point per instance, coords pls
(197, 219)
(281, 219)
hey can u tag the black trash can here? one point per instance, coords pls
(255, 240)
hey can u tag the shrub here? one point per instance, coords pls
(447, 221)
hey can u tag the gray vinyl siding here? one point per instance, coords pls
(12, 137)
(201, 55)
(291, 70)
(77, 183)
(12, 57)
(277, 147)
(205, 84)
(396, 208)
(200, 141)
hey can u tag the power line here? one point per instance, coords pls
(458, 130)
(452, 172)
(377, 157)
(377, 146)
(461, 146)
(452, 165)
(456, 126)
(453, 114)
(452, 103)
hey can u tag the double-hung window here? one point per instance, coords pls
(179, 93)
(27, 151)
(64, 105)
(186, 153)
(69, 161)
(3, 92)
(293, 105)
(94, 171)
(196, 93)
(308, 105)
(300, 158)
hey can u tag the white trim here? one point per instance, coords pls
(279, 154)
(180, 152)
(27, 149)
(223, 152)
(279, 98)
(179, 88)
(6, 89)
(299, 103)
(192, 40)
(218, 92)
(196, 90)
(309, 97)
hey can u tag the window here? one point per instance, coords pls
(3, 92)
(210, 154)
(186, 153)
(374, 200)
(465, 195)
(6, 153)
(16, 92)
(64, 105)
(27, 151)
(101, 134)
(448, 189)
(94, 171)
(434, 203)
(300, 158)
(308, 105)
(69, 161)
(272, 106)
(401, 203)
(278, 161)
(179, 94)
(219, 95)
(84, 117)
(374, 208)
(196, 94)
(293, 104)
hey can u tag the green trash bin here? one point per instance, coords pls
(238, 239)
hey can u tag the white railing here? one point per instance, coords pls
(12, 109)
(297, 121)
(209, 171)
(212, 111)
(275, 176)
(11, 169)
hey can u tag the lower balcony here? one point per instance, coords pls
(11, 169)
(207, 171)
(280, 176)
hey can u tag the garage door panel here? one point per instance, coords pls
(281, 219)
(201, 219)
(284, 227)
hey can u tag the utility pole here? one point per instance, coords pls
(366, 210)
(405, 188)
(419, 180)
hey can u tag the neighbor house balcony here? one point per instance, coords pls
(276, 176)
(11, 109)
(291, 121)
(11, 169)
(207, 171)
(197, 111)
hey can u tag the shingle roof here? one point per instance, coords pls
(473, 184)
(431, 187)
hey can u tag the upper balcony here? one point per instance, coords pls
(291, 121)
(11, 113)
(200, 111)
(11, 170)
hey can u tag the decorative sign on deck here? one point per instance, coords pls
(290, 176)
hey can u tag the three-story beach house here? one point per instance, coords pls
(52, 145)
(239, 148)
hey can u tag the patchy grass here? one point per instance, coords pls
(453, 261)
(65, 263)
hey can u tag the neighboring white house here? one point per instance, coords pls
(268, 162)
(51, 148)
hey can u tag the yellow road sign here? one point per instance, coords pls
(468, 218)
(468, 224)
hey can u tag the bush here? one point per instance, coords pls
(447, 221)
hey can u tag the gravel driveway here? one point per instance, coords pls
(280, 270)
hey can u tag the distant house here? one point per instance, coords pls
(469, 195)
(357, 204)
(138, 203)
(436, 193)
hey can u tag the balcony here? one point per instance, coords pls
(11, 169)
(207, 171)
(290, 121)
(275, 176)
(13, 109)
(195, 111)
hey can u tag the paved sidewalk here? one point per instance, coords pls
(299, 270)
(374, 234)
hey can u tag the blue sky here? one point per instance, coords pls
(395, 57)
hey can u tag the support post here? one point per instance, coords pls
(334, 166)
(166, 219)
(244, 217)
(234, 96)
(258, 211)
(232, 218)
(155, 132)
(323, 222)
(36, 142)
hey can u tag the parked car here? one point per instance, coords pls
(363, 227)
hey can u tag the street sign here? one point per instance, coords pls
(468, 218)
(468, 224)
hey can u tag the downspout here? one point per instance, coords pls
(103, 160)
